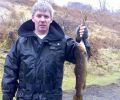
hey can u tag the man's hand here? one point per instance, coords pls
(82, 33)
(81, 30)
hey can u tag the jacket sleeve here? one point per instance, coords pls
(88, 47)
(10, 76)
(70, 50)
(71, 46)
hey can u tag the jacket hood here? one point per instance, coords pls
(55, 31)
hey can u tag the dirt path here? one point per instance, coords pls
(94, 92)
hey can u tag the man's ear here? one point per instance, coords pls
(51, 21)
(33, 19)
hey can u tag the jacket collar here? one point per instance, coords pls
(55, 31)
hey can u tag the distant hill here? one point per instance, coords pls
(79, 5)
(99, 23)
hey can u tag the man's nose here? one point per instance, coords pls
(42, 18)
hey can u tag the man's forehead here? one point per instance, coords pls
(43, 12)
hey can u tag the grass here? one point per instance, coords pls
(107, 55)
(107, 70)
(102, 80)
(1, 74)
(110, 58)
(69, 82)
(0, 96)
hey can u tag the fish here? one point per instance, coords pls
(80, 70)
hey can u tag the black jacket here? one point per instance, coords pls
(34, 67)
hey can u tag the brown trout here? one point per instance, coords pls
(80, 70)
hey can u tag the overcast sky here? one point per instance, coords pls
(111, 4)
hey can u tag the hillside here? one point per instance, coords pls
(104, 36)
(104, 27)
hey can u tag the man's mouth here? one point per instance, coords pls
(42, 25)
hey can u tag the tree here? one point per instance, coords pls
(103, 5)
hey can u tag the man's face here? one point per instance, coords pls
(42, 21)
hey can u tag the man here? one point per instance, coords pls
(34, 66)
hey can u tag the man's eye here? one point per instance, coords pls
(39, 16)
(46, 16)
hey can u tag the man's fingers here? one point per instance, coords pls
(81, 30)
(82, 26)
